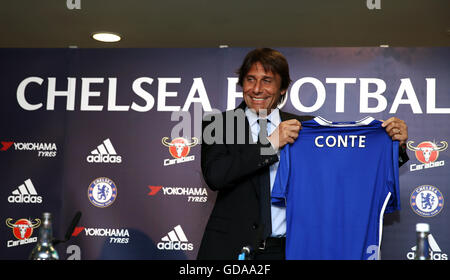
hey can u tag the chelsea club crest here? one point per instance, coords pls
(102, 192)
(426, 201)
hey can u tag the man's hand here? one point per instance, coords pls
(285, 133)
(396, 129)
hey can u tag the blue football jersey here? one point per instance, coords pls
(337, 180)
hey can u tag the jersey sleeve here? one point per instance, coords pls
(393, 179)
(280, 186)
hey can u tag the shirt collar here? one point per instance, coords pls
(273, 117)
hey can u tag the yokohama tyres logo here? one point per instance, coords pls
(116, 236)
(43, 149)
(192, 194)
(5, 146)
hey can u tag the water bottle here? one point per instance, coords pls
(422, 246)
(44, 249)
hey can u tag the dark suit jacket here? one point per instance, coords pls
(233, 170)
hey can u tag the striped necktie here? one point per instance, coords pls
(266, 218)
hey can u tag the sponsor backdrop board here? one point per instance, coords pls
(114, 133)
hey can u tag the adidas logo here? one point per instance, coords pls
(435, 250)
(25, 193)
(175, 240)
(105, 153)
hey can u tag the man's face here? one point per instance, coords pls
(261, 89)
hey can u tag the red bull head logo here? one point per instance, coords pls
(427, 153)
(179, 148)
(23, 228)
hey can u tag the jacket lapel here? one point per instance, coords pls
(248, 132)
(249, 141)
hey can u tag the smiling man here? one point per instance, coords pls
(243, 174)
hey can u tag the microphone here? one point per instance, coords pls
(70, 230)
(246, 253)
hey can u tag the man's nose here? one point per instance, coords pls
(257, 87)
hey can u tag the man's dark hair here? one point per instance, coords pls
(272, 61)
